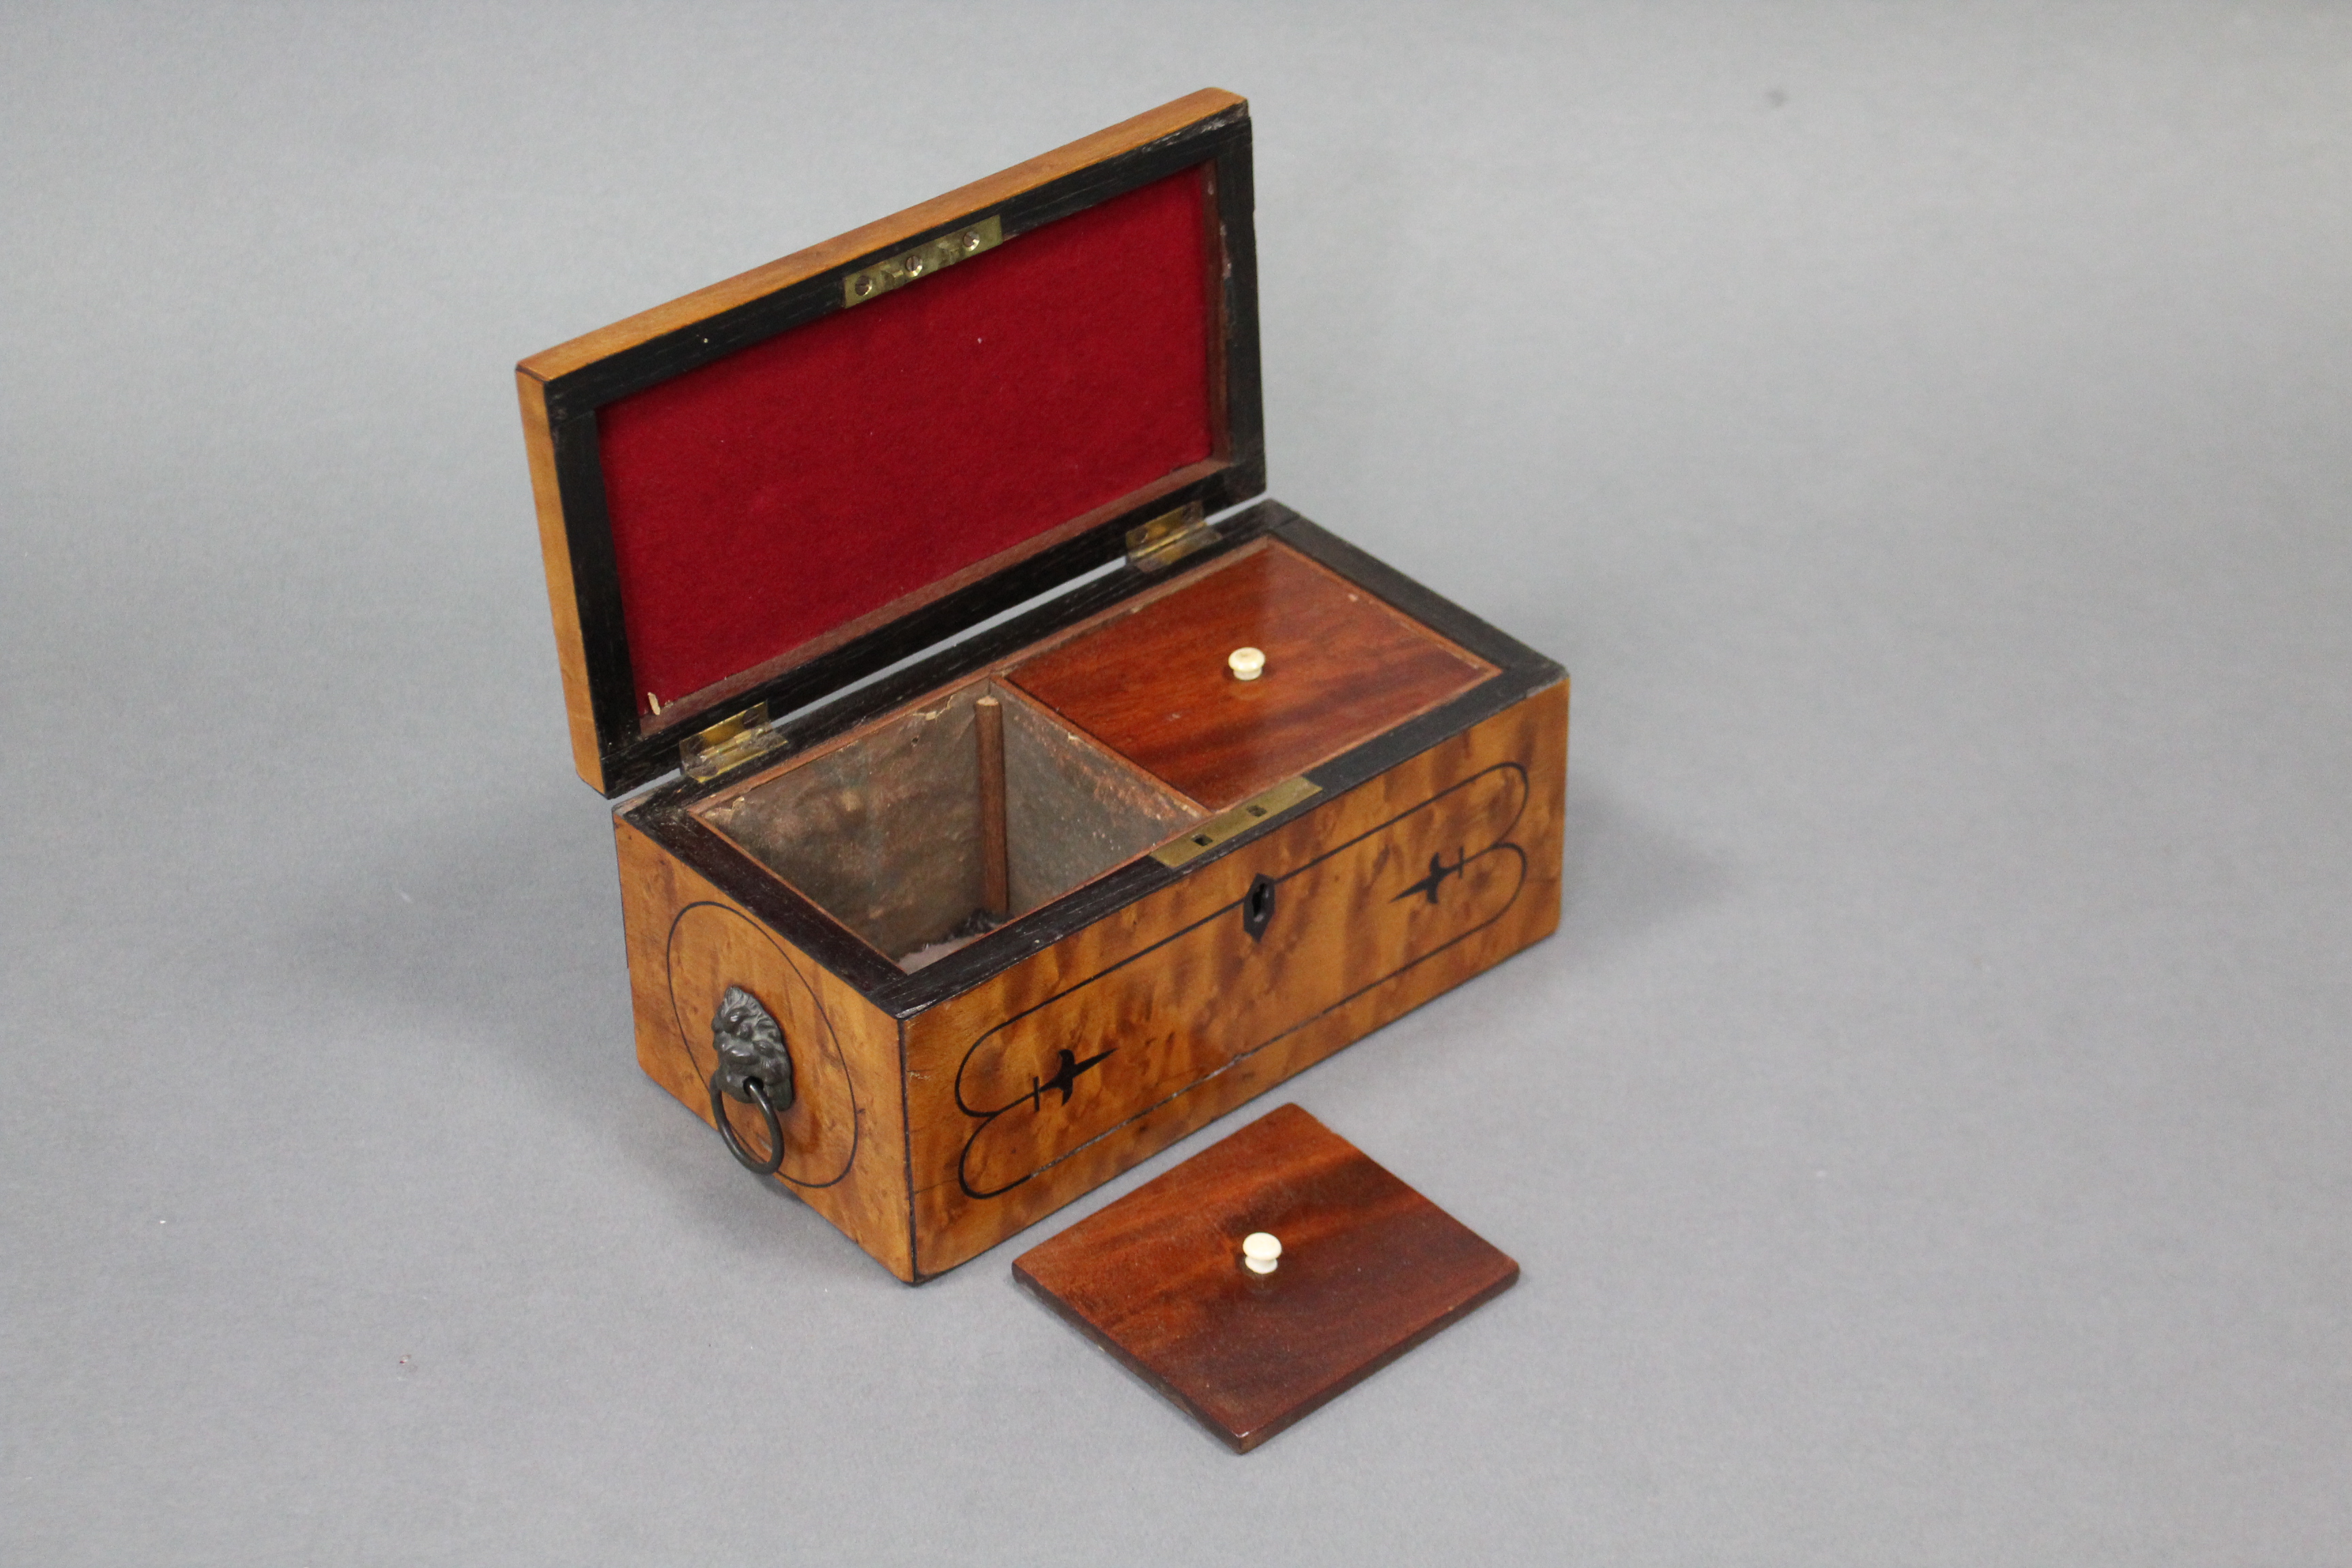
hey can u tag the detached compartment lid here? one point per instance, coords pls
(1362, 1270)
(772, 488)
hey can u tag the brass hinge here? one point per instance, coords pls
(729, 744)
(873, 283)
(1260, 807)
(1168, 537)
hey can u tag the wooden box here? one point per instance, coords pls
(979, 874)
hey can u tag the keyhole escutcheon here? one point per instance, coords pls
(1257, 907)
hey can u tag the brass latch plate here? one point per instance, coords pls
(873, 283)
(1258, 808)
(729, 744)
(1168, 537)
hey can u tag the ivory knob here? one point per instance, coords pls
(1247, 663)
(1260, 1252)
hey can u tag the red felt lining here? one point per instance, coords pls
(766, 500)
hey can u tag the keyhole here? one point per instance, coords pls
(1257, 907)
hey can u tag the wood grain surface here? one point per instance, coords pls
(1368, 1269)
(983, 1111)
(1341, 667)
(1042, 1082)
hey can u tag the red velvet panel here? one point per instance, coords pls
(765, 499)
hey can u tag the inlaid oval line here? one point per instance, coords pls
(1027, 1086)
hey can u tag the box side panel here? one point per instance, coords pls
(844, 1134)
(1057, 1075)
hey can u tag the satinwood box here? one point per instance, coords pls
(895, 585)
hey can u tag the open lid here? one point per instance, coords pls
(770, 488)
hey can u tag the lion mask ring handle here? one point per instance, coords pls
(754, 1067)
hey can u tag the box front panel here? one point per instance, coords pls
(844, 1133)
(1053, 1076)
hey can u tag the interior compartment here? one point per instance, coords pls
(884, 829)
(1151, 679)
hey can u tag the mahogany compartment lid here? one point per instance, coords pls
(761, 492)
(1153, 683)
(1369, 1269)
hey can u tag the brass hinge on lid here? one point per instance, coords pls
(932, 256)
(1168, 537)
(729, 744)
(1261, 808)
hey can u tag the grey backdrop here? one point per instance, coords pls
(1921, 430)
